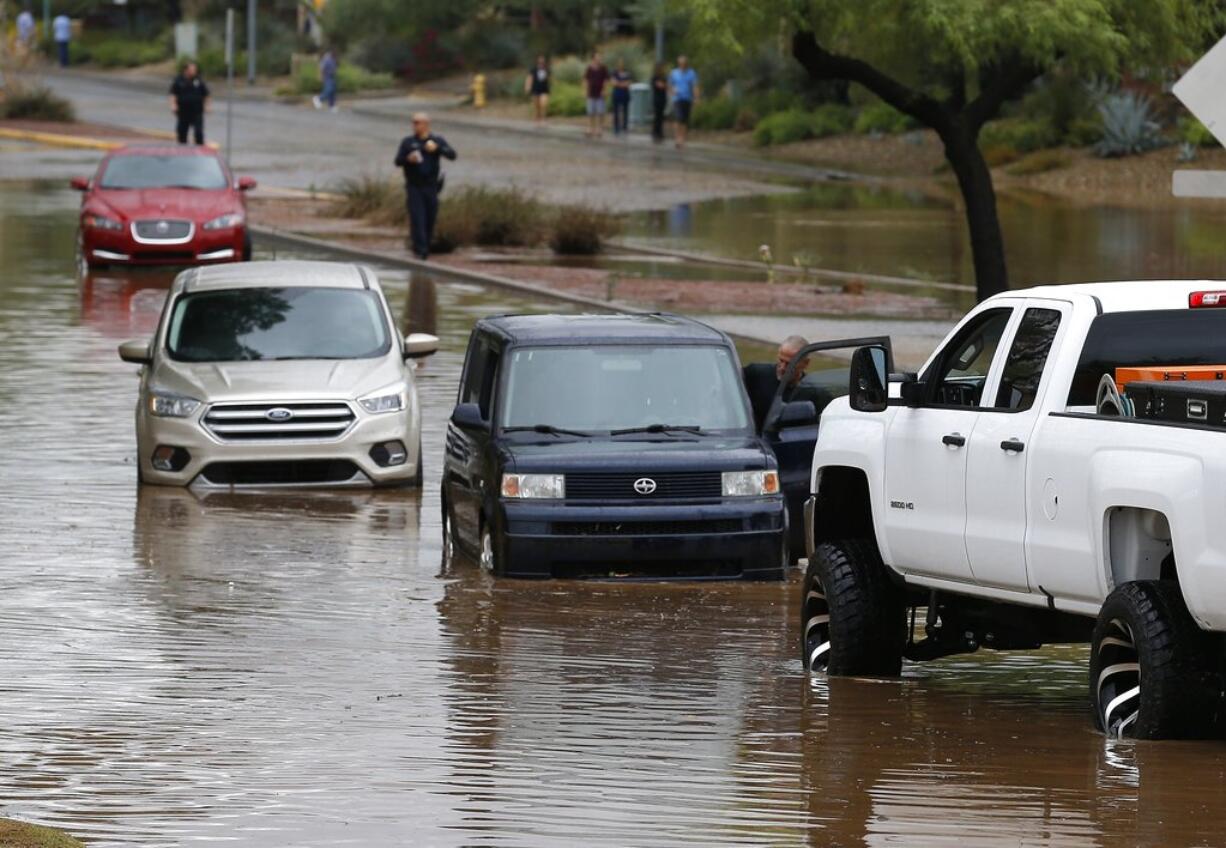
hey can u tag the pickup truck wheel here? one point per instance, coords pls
(853, 616)
(1151, 667)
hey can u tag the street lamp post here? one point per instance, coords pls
(250, 42)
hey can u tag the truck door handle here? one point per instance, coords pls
(953, 440)
(1013, 445)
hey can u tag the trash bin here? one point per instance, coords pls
(640, 104)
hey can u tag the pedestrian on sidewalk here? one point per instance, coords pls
(25, 35)
(659, 102)
(327, 75)
(621, 98)
(537, 86)
(62, 27)
(683, 86)
(595, 78)
(420, 157)
(189, 100)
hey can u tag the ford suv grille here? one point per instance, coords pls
(162, 229)
(247, 422)
(671, 484)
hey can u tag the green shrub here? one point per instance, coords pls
(125, 53)
(1021, 134)
(1084, 131)
(35, 103)
(633, 53)
(566, 100)
(569, 70)
(830, 119)
(374, 198)
(1195, 133)
(995, 155)
(349, 79)
(1040, 162)
(581, 230)
(716, 113)
(798, 124)
(881, 117)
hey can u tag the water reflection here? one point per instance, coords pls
(421, 305)
(123, 304)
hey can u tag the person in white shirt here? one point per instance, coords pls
(62, 28)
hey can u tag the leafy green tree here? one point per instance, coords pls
(952, 64)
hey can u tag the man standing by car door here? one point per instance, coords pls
(419, 157)
(189, 100)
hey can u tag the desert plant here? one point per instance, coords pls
(1022, 135)
(715, 113)
(881, 117)
(1128, 125)
(569, 70)
(830, 119)
(633, 53)
(374, 198)
(581, 230)
(1193, 132)
(566, 100)
(35, 102)
(798, 124)
(350, 78)
(1040, 162)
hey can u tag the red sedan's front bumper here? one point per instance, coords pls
(118, 247)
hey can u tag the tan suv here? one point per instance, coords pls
(278, 373)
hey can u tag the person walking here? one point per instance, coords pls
(595, 78)
(536, 85)
(189, 100)
(683, 87)
(327, 75)
(25, 35)
(419, 156)
(621, 79)
(62, 28)
(659, 102)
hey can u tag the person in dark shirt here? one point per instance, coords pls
(420, 157)
(659, 102)
(189, 100)
(621, 98)
(594, 79)
(537, 85)
(762, 382)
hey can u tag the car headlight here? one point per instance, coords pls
(166, 405)
(533, 486)
(384, 402)
(750, 483)
(101, 222)
(223, 222)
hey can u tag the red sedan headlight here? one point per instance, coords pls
(101, 222)
(225, 222)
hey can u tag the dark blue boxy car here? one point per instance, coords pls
(598, 446)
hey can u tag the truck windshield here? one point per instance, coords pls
(148, 171)
(601, 388)
(277, 323)
(1153, 338)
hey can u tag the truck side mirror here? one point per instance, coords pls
(467, 416)
(869, 391)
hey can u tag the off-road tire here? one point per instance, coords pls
(853, 616)
(1152, 670)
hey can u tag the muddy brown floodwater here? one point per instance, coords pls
(299, 669)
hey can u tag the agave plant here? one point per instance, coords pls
(1128, 125)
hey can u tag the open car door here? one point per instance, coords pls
(791, 424)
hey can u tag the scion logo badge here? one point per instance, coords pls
(644, 485)
(279, 413)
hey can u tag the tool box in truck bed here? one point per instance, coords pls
(1192, 402)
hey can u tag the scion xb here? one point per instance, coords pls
(607, 446)
(278, 373)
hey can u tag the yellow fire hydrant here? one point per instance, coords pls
(479, 91)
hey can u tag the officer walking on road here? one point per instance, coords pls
(189, 100)
(419, 157)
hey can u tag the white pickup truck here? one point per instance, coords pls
(1011, 495)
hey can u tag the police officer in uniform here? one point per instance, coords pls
(189, 98)
(419, 157)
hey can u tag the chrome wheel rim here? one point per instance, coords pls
(487, 551)
(817, 628)
(448, 544)
(1119, 680)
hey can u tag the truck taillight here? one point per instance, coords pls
(1207, 300)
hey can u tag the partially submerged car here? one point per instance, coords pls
(606, 446)
(163, 205)
(278, 373)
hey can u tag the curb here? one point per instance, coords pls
(58, 140)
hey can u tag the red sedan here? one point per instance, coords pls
(163, 206)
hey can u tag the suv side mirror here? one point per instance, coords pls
(417, 345)
(136, 352)
(80, 183)
(467, 416)
(912, 393)
(869, 391)
(797, 413)
(246, 183)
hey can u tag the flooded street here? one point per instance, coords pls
(300, 669)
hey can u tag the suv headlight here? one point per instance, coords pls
(386, 400)
(222, 222)
(166, 405)
(750, 483)
(533, 486)
(101, 222)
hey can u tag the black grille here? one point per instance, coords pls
(167, 256)
(670, 484)
(162, 229)
(662, 570)
(271, 473)
(647, 528)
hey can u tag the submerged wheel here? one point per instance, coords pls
(1151, 667)
(486, 559)
(853, 619)
(448, 537)
(247, 248)
(420, 477)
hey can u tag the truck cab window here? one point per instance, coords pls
(1019, 384)
(958, 375)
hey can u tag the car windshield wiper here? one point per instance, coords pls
(660, 428)
(548, 429)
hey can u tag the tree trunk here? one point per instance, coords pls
(975, 182)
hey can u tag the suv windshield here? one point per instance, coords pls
(286, 323)
(601, 388)
(147, 171)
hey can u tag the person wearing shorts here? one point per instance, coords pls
(595, 78)
(537, 86)
(683, 88)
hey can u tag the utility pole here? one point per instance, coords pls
(250, 42)
(229, 79)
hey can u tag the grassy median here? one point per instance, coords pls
(15, 834)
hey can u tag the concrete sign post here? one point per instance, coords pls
(1201, 89)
